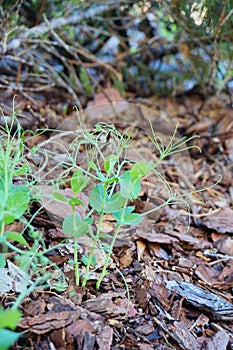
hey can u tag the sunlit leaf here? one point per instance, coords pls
(16, 204)
(130, 186)
(58, 196)
(75, 201)
(109, 163)
(79, 181)
(92, 165)
(9, 318)
(141, 168)
(106, 247)
(112, 180)
(17, 237)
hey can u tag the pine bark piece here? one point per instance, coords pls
(202, 299)
(221, 221)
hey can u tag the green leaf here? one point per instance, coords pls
(141, 168)
(8, 338)
(109, 163)
(75, 226)
(114, 203)
(130, 186)
(111, 180)
(79, 181)
(105, 235)
(96, 197)
(59, 197)
(126, 217)
(9, 319)
(100, 201)
(92, 165)
(75, 201)
(17, 237)
(132, 219)
(126, 211)
(16, 204)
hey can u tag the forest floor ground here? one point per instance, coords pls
(179, 280)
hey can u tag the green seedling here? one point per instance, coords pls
(111, 181)
(73, 224)
(15, 197)
(104, 201)
(111, 188)
(14, 200)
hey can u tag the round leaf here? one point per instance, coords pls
(102, 203)
(74, 226)
(16, 204)
(109, 163)
(78, 181)
(130, 186)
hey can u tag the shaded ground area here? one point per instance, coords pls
(179, 281)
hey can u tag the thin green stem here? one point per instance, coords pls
(2, 229)
(104, 270)
(93, 248)
(86, 277)
(76, 270)
(110, 249)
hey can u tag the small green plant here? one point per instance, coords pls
(112, 182)
(14, 201)
(15, 198)
(73, 224)
(110, 179)
(112, 196)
